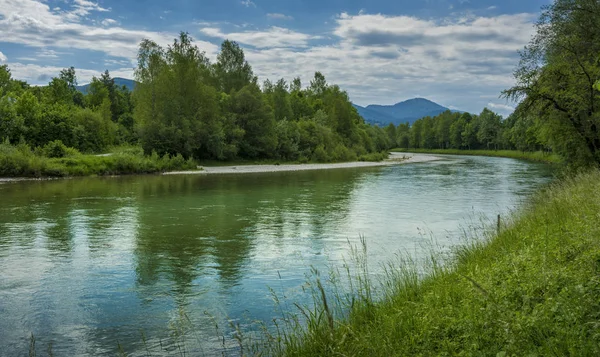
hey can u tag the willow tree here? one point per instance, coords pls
(556, 77)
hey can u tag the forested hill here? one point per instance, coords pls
(119, 82)
(400, 113)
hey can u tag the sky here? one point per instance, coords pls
(458, 53)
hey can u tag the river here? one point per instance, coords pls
(95, 265)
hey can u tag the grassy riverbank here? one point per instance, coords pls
(55, 160)
(532, 290)
(513, 154)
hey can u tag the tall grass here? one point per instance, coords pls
(57, 161)
(531, 290)
(539, 156)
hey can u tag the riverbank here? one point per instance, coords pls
(393, 159)
(24, 166)
(21, 162)
(532, 289)
(538, 156)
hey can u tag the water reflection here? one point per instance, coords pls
(89, 262)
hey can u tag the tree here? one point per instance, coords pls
(456, 130)
(97, 93)
(68, 75)
(281, 101)
(415, 134)
(256, 119)
(151, 63)
(556, 78)
(5, 79)
(318, 85)
(390, 131)
(489, 128)
(232, 70)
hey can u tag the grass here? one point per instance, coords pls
(531, 290)
(539, 156)
(21, 161)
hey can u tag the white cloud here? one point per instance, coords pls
(84, 7)
(48, 54)
(277, 16)
(81, 9)
(32, 23)
(248, 3)
(3, 58)
(109, 22)
(463, 62)
(113, 62)
(34, 73)
(272, 37)
(503, 109)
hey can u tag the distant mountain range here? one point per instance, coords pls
(400, 113)
(129, 83)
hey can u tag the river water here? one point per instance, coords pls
(92, 266)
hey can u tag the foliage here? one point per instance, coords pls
(184, 104)
(465, 131)
(56, 160)
(556, 80)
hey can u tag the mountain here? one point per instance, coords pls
(399, 113)
(129, 83)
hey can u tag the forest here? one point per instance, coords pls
(183, 108)
(455, 130)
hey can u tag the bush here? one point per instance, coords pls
(376, 156)
(57, 160)
(55, 149)
(320, 154)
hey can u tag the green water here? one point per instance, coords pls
(88, 264)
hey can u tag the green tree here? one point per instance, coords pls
(255, 117)
(390, 131)
(556, 78)
(232, 70)
(281, 101)
(489, 133)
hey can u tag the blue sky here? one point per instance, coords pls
(459, 53)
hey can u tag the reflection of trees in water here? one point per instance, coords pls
(182, 226)
(59, 212)
(190, 223)
(186, 223)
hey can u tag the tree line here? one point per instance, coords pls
(465, 131)
(184, 104)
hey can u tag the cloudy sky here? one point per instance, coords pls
(459, 53)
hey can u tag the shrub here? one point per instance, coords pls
(320, 154)
(55, 149)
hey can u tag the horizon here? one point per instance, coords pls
(458, 53)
